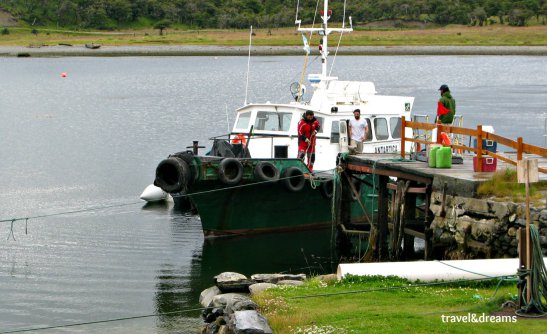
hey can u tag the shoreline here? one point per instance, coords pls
(226, 50)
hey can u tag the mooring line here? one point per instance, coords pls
(101, 321)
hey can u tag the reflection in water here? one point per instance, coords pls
(306, 252)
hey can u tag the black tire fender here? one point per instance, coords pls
(266, 171)
(230, 171)
(327, 189)
(172, 175)
(293, 179)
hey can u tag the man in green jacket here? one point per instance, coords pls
(446, 107)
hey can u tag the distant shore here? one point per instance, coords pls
(222, 50)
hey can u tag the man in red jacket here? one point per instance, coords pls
(307, 129)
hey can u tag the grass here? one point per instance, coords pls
(451, 35)
(504, 185)
(407, 309)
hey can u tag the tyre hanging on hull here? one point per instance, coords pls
(172, 175)
(327, 189)
(266, 171)
(230, 171)
(293, 179)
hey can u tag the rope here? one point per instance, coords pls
(100, 321)
(538, 273)
(398, 287)
(307, 54)
(339, 39)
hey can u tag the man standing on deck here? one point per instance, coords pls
(307, 131)
(446, 107)
(358, 129)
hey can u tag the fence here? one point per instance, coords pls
(520, 147)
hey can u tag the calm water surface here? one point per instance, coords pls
(94, 138)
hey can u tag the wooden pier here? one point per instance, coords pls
(400, 181)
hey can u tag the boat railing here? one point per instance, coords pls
(479, 135)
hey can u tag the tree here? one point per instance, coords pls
(478, 15)
(162, 25)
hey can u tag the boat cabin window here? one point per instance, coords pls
(273, 121)
(380, 128)
(395, 125)
(243, 120)
(335, 132)
(321, 123)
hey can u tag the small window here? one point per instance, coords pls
(243, 120)
(395, 125)
(273, 121)
(381, 130)
(335, 132)
(321, 121)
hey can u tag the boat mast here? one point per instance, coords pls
(324, 31)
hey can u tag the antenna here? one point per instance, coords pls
(248, 65)
(227, 118)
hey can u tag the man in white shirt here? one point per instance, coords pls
(358, 129)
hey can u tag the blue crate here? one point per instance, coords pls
(488, 145)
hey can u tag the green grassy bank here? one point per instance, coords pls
(394, 305)
(495, 35)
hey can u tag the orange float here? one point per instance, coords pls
(239, 139)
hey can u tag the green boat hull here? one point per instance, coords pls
(254, 206)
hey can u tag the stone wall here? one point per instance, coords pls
(468, 228)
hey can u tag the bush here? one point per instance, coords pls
(5, 31)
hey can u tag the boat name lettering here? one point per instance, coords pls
(386, 149)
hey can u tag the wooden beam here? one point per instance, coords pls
(412, 190)
(382, 217)
(394, 173)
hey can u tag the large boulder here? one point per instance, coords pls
(207, 295)
(232, 282)
(274, 278)
(249, 322)
(259, 287)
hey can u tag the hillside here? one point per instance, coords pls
(6, 19)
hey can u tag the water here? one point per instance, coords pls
(93, 139)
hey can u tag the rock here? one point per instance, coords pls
(240, 305)
(274, 278)
(512, 218)
(512, 232)
(211, 314)
(290, 282)
(249, 322)
(328, 278)
(477, 206)
(206, 296)
(482, 230)
(232, 282)
(259, 287)
(543, 216)
(543, 241)
(499, 209)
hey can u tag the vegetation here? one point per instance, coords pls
(123, 14)
(504, 185)
(398, 310)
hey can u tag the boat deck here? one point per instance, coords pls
(460, 178)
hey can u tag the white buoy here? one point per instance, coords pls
(427, 271)
(154, 194)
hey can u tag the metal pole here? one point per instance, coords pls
(528, 255)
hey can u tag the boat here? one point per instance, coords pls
(251, 181)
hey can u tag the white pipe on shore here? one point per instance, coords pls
(427, 271)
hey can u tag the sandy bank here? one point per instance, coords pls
(218, 50)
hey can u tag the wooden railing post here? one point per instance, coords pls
(439, 138)
(403, 127)
(479, 148)
(519, 148)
